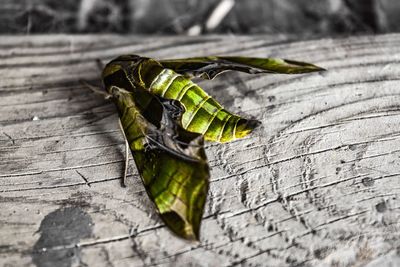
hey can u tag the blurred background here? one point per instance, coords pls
(196, 17)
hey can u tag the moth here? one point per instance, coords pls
(166, 118)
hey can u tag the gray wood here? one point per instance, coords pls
(316, 185)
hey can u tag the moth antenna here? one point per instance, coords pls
(95, 89)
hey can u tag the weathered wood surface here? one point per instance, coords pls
(316, 185)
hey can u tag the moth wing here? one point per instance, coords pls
(171, 161)
(210, 67)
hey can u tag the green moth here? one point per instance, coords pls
(166, 117)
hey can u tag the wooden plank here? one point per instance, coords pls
(316, 185)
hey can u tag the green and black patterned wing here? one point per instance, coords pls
(170, 160)
(210, 67)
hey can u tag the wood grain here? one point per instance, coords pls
(316, 185)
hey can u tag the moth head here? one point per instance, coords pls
(128, 60)
(122, 62)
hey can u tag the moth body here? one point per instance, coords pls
(166, 117)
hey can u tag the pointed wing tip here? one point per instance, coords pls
(298, 67)
(191, 232)
(318, 69)
(178, 225)
(193, 238)
(194, 233)
(310, 68)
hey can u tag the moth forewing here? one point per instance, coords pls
(212, 66)
(171, 161)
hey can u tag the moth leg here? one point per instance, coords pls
(95, 89)
(123, 183)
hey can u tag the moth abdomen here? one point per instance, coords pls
(206, 116)
(202, 114)
(226, 127)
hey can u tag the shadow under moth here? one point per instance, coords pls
(166, 117)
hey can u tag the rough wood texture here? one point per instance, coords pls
(316, 185)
